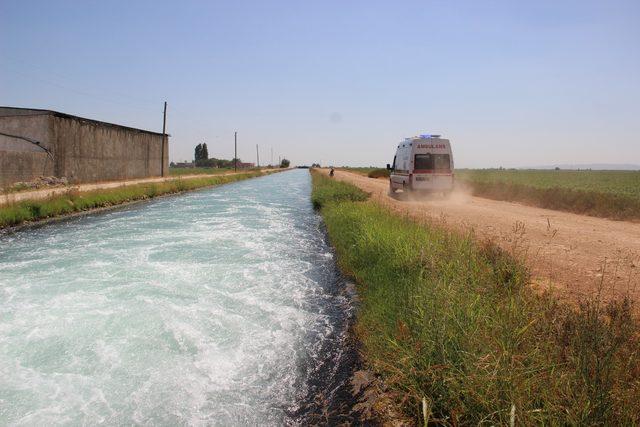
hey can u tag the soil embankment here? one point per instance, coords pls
(45, 193)
(574, 254)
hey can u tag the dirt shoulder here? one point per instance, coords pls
(574, 254)
(45, 193)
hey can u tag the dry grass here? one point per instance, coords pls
(379, 173)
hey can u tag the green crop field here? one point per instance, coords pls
(624, 183)
(608, 194)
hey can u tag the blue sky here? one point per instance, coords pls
(340, 82)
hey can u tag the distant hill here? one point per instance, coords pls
(592, 166)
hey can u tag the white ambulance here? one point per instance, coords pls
(422, 163)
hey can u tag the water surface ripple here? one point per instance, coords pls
(220, 306)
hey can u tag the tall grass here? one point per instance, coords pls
(18, 213)
(452, 325)
(330, 190)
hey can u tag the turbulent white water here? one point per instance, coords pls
(220, 306)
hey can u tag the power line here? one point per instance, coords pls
(32, 141)
(69, 88)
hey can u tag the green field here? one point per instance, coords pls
(620, 183)
(361, 171)
(371, 172)
(458, 337)
(623, 183)
(609, 194)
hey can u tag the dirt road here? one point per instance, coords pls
(573, 254)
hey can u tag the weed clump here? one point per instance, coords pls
(328, 190)
(379, 173)
(452, 325)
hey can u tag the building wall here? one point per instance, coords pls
(95, 152)
(83, 150)
(21, 160)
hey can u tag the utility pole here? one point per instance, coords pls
(164, 137)
(257, 156)
(235, 151)
(271, 164)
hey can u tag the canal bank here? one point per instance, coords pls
(453, 332)
(220, 306)
(73, 201)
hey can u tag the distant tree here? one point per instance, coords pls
(172, 165)
(201, 155)
(285, 163)
(315, 165)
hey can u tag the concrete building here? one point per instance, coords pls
(36, 143)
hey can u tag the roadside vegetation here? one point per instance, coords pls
(379, 173)
(371, 172)
(36, 184)
(173, 171)
(71, 202)
(609, 194)
(326, 191)
(458, 337)
(361, 171)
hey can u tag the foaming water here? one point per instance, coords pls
(221, 306)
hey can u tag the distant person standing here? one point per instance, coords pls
(331, 173)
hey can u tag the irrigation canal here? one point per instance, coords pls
(220, 306)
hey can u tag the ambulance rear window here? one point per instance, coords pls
(432, 162)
